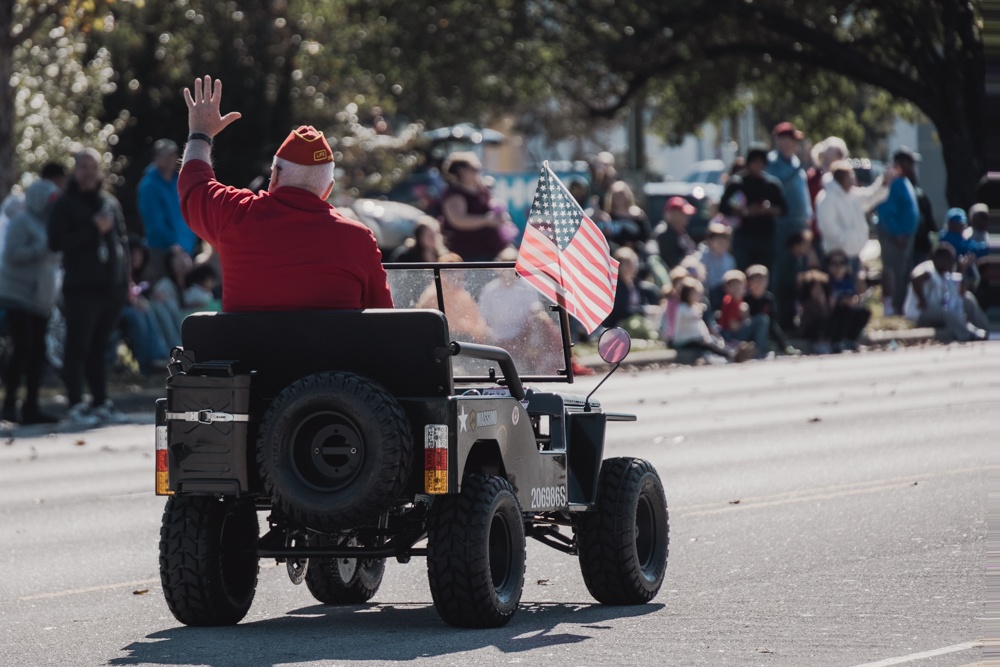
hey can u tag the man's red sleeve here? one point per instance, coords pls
(207, 205)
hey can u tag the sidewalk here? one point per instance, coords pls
(136, 398)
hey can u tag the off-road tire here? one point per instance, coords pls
(208, 559)
(326, 579)
(334, 450)
(624, 544)
(476, 553)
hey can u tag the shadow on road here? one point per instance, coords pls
(376, 632)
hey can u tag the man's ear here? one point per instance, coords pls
(329, 191)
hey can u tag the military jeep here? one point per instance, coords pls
(376, 434)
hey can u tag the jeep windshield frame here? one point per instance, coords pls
(488, 303)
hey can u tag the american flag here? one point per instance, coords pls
(565, 256)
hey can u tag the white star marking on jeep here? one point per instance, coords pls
(464, 417)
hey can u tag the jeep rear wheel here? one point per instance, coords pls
(624, 543)
(208, 559)
(476, 553)
(334, 451)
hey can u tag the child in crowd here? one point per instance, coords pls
(734, 315)
(978, 233)
(714, 255)
(814, 300)
(801, 257)
(672, 301)
(965, 249)
(691, 330)
(848, 317)
(761, 302)
(200, 293)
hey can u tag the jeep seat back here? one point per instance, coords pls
(403, 350)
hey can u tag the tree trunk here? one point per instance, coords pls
(964, 164)
(6, 102)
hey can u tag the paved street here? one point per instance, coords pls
(824, 511)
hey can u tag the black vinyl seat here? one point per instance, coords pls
(403, 350)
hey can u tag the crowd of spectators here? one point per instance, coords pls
(781, 261)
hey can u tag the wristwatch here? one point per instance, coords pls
(200, 135)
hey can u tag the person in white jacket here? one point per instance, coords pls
(842, 207)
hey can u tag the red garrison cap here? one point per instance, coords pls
(307, 146)
(682, 204)
(789, 129)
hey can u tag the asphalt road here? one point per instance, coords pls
(823, 512)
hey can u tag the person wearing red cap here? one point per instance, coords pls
(286, 248)
(671, 234)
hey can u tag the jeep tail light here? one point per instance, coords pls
(162, 480)
(436, 459)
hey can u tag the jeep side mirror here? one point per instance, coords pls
(614, 345)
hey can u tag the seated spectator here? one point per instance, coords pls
(933, 299)
(761, 302)
(978, 233)
(954, 235)
(814, 302)
(424, 246)
(139, 326)
(801, 257)
(714, 255)
(626, 225)
(671, 293)
(690, 330)
(200, 293)
(848, 316)
(734, 316)
(167, 296)
(673, 242)
(630, 303)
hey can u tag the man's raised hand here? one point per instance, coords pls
(203, 107)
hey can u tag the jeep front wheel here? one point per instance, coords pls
(623, 544)
(208, 559)
(476, 553)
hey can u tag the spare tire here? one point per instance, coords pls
(334, 451)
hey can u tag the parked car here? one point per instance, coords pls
(702, 187)
(391, 222)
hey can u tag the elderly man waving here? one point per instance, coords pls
(284, 249)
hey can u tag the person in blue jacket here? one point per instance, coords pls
(160, 207)
(898, 219)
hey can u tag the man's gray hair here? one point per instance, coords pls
(314, 178)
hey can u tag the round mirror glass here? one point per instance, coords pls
(614, 345)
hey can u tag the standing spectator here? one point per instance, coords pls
(933, 299)
(848, 316)
(734, 316)
(160, 208)
(927, 226)
(761, 302)
(471, 227)
(754, 198)
(714, 255)
(602, 174)
(28, 292)
(671, 234)
(783, 163)
(842, 208)
(898, 218)
(88, 227)
(823, 155)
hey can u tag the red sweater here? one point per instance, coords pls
(283, 250)
(729, 313)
